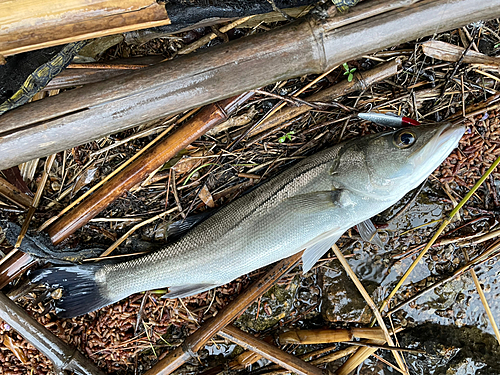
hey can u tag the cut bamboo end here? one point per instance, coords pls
(58, 22)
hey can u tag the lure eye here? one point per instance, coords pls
(404, 138)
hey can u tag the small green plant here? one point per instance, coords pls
(348, 72)
(286, 136)
(497, 45)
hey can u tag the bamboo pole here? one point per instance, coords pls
(26, 25)
(63, 356)
(303, 47)
(13, 265)
(197, 340)
(141, 167)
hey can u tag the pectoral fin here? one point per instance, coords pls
(308, 206)
(318, 248)
(312, 203)
(368, 233)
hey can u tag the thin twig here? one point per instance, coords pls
(483, 299)
(117, 243)
(385, 347)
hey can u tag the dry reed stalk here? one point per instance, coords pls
(326, 336)
(269, 352)
(369, 301)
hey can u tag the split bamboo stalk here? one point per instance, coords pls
(147, 163)
(449, 52)
(26, 25)
(268, 351)
(306, 46)
(13, 194)
(197, 340)
(63, 356)
(83, 74)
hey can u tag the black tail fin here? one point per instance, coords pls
(81, 293)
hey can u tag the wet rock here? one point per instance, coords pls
(421, 211)
(270, 309)
(307, 298)
(342, 301)
(451, 350)
(448, 294)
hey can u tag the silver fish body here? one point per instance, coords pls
(306, 207)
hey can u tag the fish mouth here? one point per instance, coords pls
(449, 135)
(438, 147)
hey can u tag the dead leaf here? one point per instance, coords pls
(86, 177)
(14, 348)
(206, 197)
(190, 162)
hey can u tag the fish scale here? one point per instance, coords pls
(307, 207)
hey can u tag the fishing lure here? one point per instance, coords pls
(388, 119)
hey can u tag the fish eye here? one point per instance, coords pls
(404, 138)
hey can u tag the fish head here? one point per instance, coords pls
(387, 165)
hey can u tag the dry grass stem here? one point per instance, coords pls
(118, 242)
(484, 301)
(370, 303)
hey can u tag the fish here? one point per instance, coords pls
(307, 207)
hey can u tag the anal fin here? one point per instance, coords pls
(182, 291)
(368, 233)
(318, 248)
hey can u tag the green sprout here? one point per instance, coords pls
(286, 136)
(348, 72)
